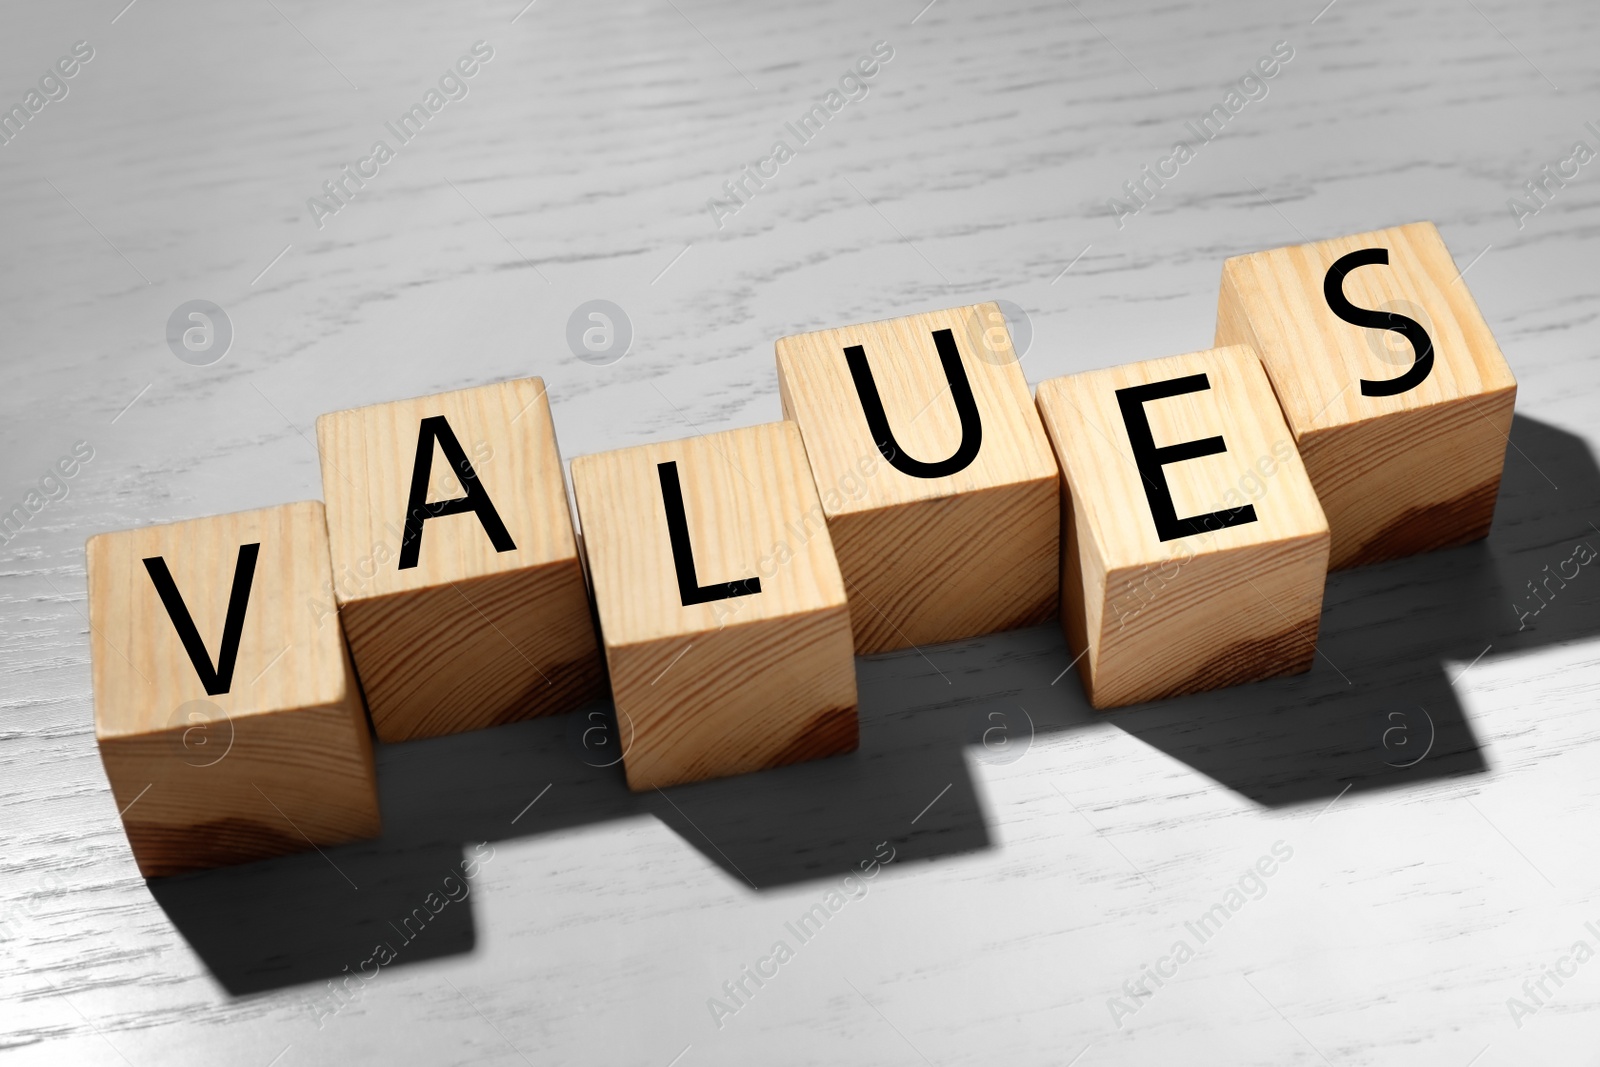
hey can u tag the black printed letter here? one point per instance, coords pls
(1410, 329)
(1150, 459)
(878, 421)
(219, 679)
(690, 591)
(418, 510)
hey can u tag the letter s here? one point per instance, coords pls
(83, 50)
(1410, 329)
(483, 50)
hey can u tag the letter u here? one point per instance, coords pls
(960, 393)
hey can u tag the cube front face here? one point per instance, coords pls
(1169, 584)
(708, 684)
(246, 740)
(475, 613)
(940, 488)
(1403, 460)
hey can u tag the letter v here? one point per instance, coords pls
(216, 679)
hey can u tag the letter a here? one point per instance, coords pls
(419, 510)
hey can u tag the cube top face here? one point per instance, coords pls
(751, 510)
(920, 405)
(289, 656)
(1086, 418)
(1318, 360)
(499, 437)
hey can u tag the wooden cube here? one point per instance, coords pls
(934, 472)
(227, 714)
(1398, 396)
(721, 607)
(455, 561)
(1194, 549)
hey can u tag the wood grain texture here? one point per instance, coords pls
(928, 559)
(469, 636)
(280, 761)
(732, 685)
(1055, 867)
(1396, 474)
(1159, 617)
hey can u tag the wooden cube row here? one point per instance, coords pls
(1180, 514)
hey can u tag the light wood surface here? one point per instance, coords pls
(1070, 847)
(468, 636)
(730, 685)
(928, 557)
(1232, 602)
(274, 756)
(1396, 474)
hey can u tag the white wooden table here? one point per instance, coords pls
(1031, 879)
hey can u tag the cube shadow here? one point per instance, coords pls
(1379, 707)
(1389, 636)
